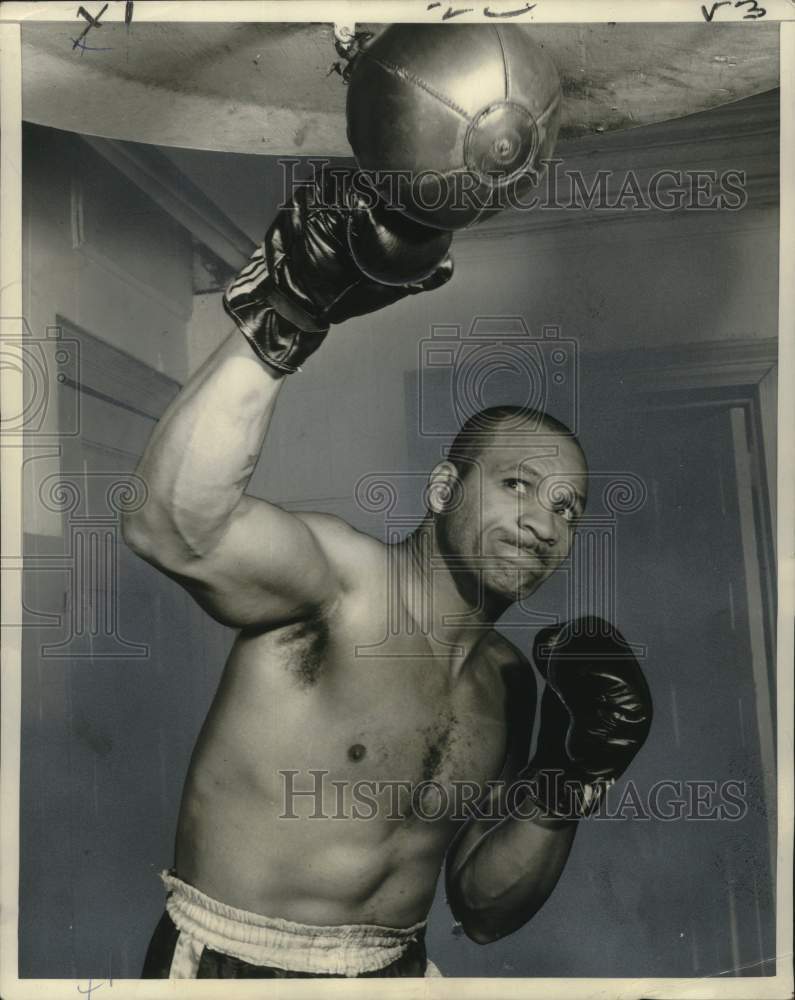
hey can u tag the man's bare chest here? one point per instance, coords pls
(406, 718)
(402, 710)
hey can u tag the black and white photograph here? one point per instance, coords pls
(398, 521)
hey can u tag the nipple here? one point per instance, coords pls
(356, 752)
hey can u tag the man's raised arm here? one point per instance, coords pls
(234, 553)
(330, 254)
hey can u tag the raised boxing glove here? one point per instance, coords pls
(331, 254)
(596, 713)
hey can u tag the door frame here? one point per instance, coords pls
(738, 377)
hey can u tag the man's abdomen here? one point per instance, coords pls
(273, 818)
(300, 798)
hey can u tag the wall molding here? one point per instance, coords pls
(108, 372)
(170, 189)
(738, 136)
(718, 364)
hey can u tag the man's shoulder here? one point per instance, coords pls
(514, 665)
(505, 652)
(349, 551)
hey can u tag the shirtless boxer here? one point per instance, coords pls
(365, 662)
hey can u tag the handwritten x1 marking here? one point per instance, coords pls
(93, 22)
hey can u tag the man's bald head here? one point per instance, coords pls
(483, 428)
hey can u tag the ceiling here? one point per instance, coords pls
(270, 88)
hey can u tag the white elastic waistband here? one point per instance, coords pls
(343, 950)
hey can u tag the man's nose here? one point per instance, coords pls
(539, 522)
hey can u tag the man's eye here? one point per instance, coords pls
(568, 511)
(518, 486)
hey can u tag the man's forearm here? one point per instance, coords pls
(203, 451)
(503, 872)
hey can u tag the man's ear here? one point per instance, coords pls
(444, 490)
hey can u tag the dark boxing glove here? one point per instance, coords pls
(595, 715)
(331, 254)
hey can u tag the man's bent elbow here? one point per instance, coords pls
(492, 916)
(136, 536)
(149, 539)
(470, 909)
(481, 933)
(487, 927)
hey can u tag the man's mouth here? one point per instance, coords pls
(523, 551)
